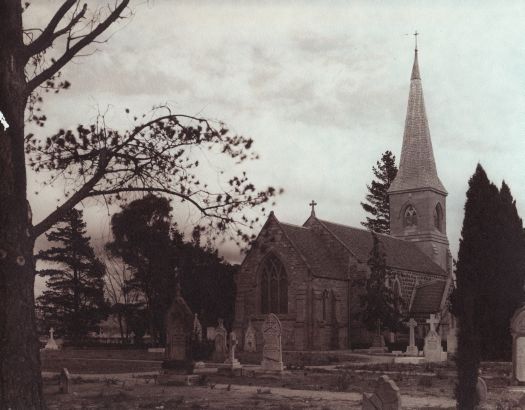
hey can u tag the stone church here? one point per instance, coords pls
(306, 274)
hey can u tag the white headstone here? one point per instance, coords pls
(250, 343)
(433, 350)
(51, 343)
(412, 349)
(272, 345)
(452, 339)
(517, 327)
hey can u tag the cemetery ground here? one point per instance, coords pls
(126, 379)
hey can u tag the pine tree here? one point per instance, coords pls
(73, 302)
(475, 269)
(377, 198)
(378, 302)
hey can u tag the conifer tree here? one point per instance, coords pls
(73, 302)
(377, 204)
(475, 270)
(378, 302)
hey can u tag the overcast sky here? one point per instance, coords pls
(322, 87)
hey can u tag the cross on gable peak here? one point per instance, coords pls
(312, 205)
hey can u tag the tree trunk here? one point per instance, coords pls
(20, 378)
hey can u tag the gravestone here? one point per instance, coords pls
(378, 341)
(412, 349)
(433, 350)
(386, 396)
(64, 383)
(452, 337)
(210, 333)
(197, 329)
(221, 348)
(178, 363)
(517, 328)
(481, 390)
(272, 346)
(250, 343)
(51, 343)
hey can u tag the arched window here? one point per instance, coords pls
(438, 217)
(397, 293)
(410, 216)
(274, 286)
(325, 305)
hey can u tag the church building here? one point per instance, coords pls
(307, 274)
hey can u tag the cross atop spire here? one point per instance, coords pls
(415, 37)
(313, 204)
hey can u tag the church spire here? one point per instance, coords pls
(417, 167)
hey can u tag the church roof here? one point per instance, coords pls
(417, 167)
(315, 251)
(400, 254)
(427, 298)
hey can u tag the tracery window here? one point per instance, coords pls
(438, 217)
(410, 216)
(274, 286)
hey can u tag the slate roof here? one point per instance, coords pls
(315, 251)
(428, 296)
(400, 254)
(417, 167)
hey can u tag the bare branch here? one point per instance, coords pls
(75, 48)
(45, 39)
(82, 193)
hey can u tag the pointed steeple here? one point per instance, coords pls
(417, 167)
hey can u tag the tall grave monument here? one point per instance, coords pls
(517, 329)
(178, 364)
(272, 346)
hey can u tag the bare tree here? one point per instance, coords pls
(123, 299)
(153, 156)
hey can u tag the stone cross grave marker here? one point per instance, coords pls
(412, 349)
(272, 347)
(386, 396)
(64, 382)
(432, 349)
(517, 328)
(250, 343)
(51, 343)
(232, 342)
(221, 349)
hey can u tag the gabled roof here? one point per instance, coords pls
(400, 254)
(417, 167)
(314, 250)
(428, 297)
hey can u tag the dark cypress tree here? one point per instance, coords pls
(507, 286)
(378, 302)
(377, 204)
(73, 302)
(475, 270)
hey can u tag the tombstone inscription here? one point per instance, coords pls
(272, 346)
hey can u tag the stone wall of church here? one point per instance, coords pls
(272, 240)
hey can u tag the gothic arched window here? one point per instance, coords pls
(397, 293)
(438, 217)
(410, 217)
(326, 297)
(274, 286)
